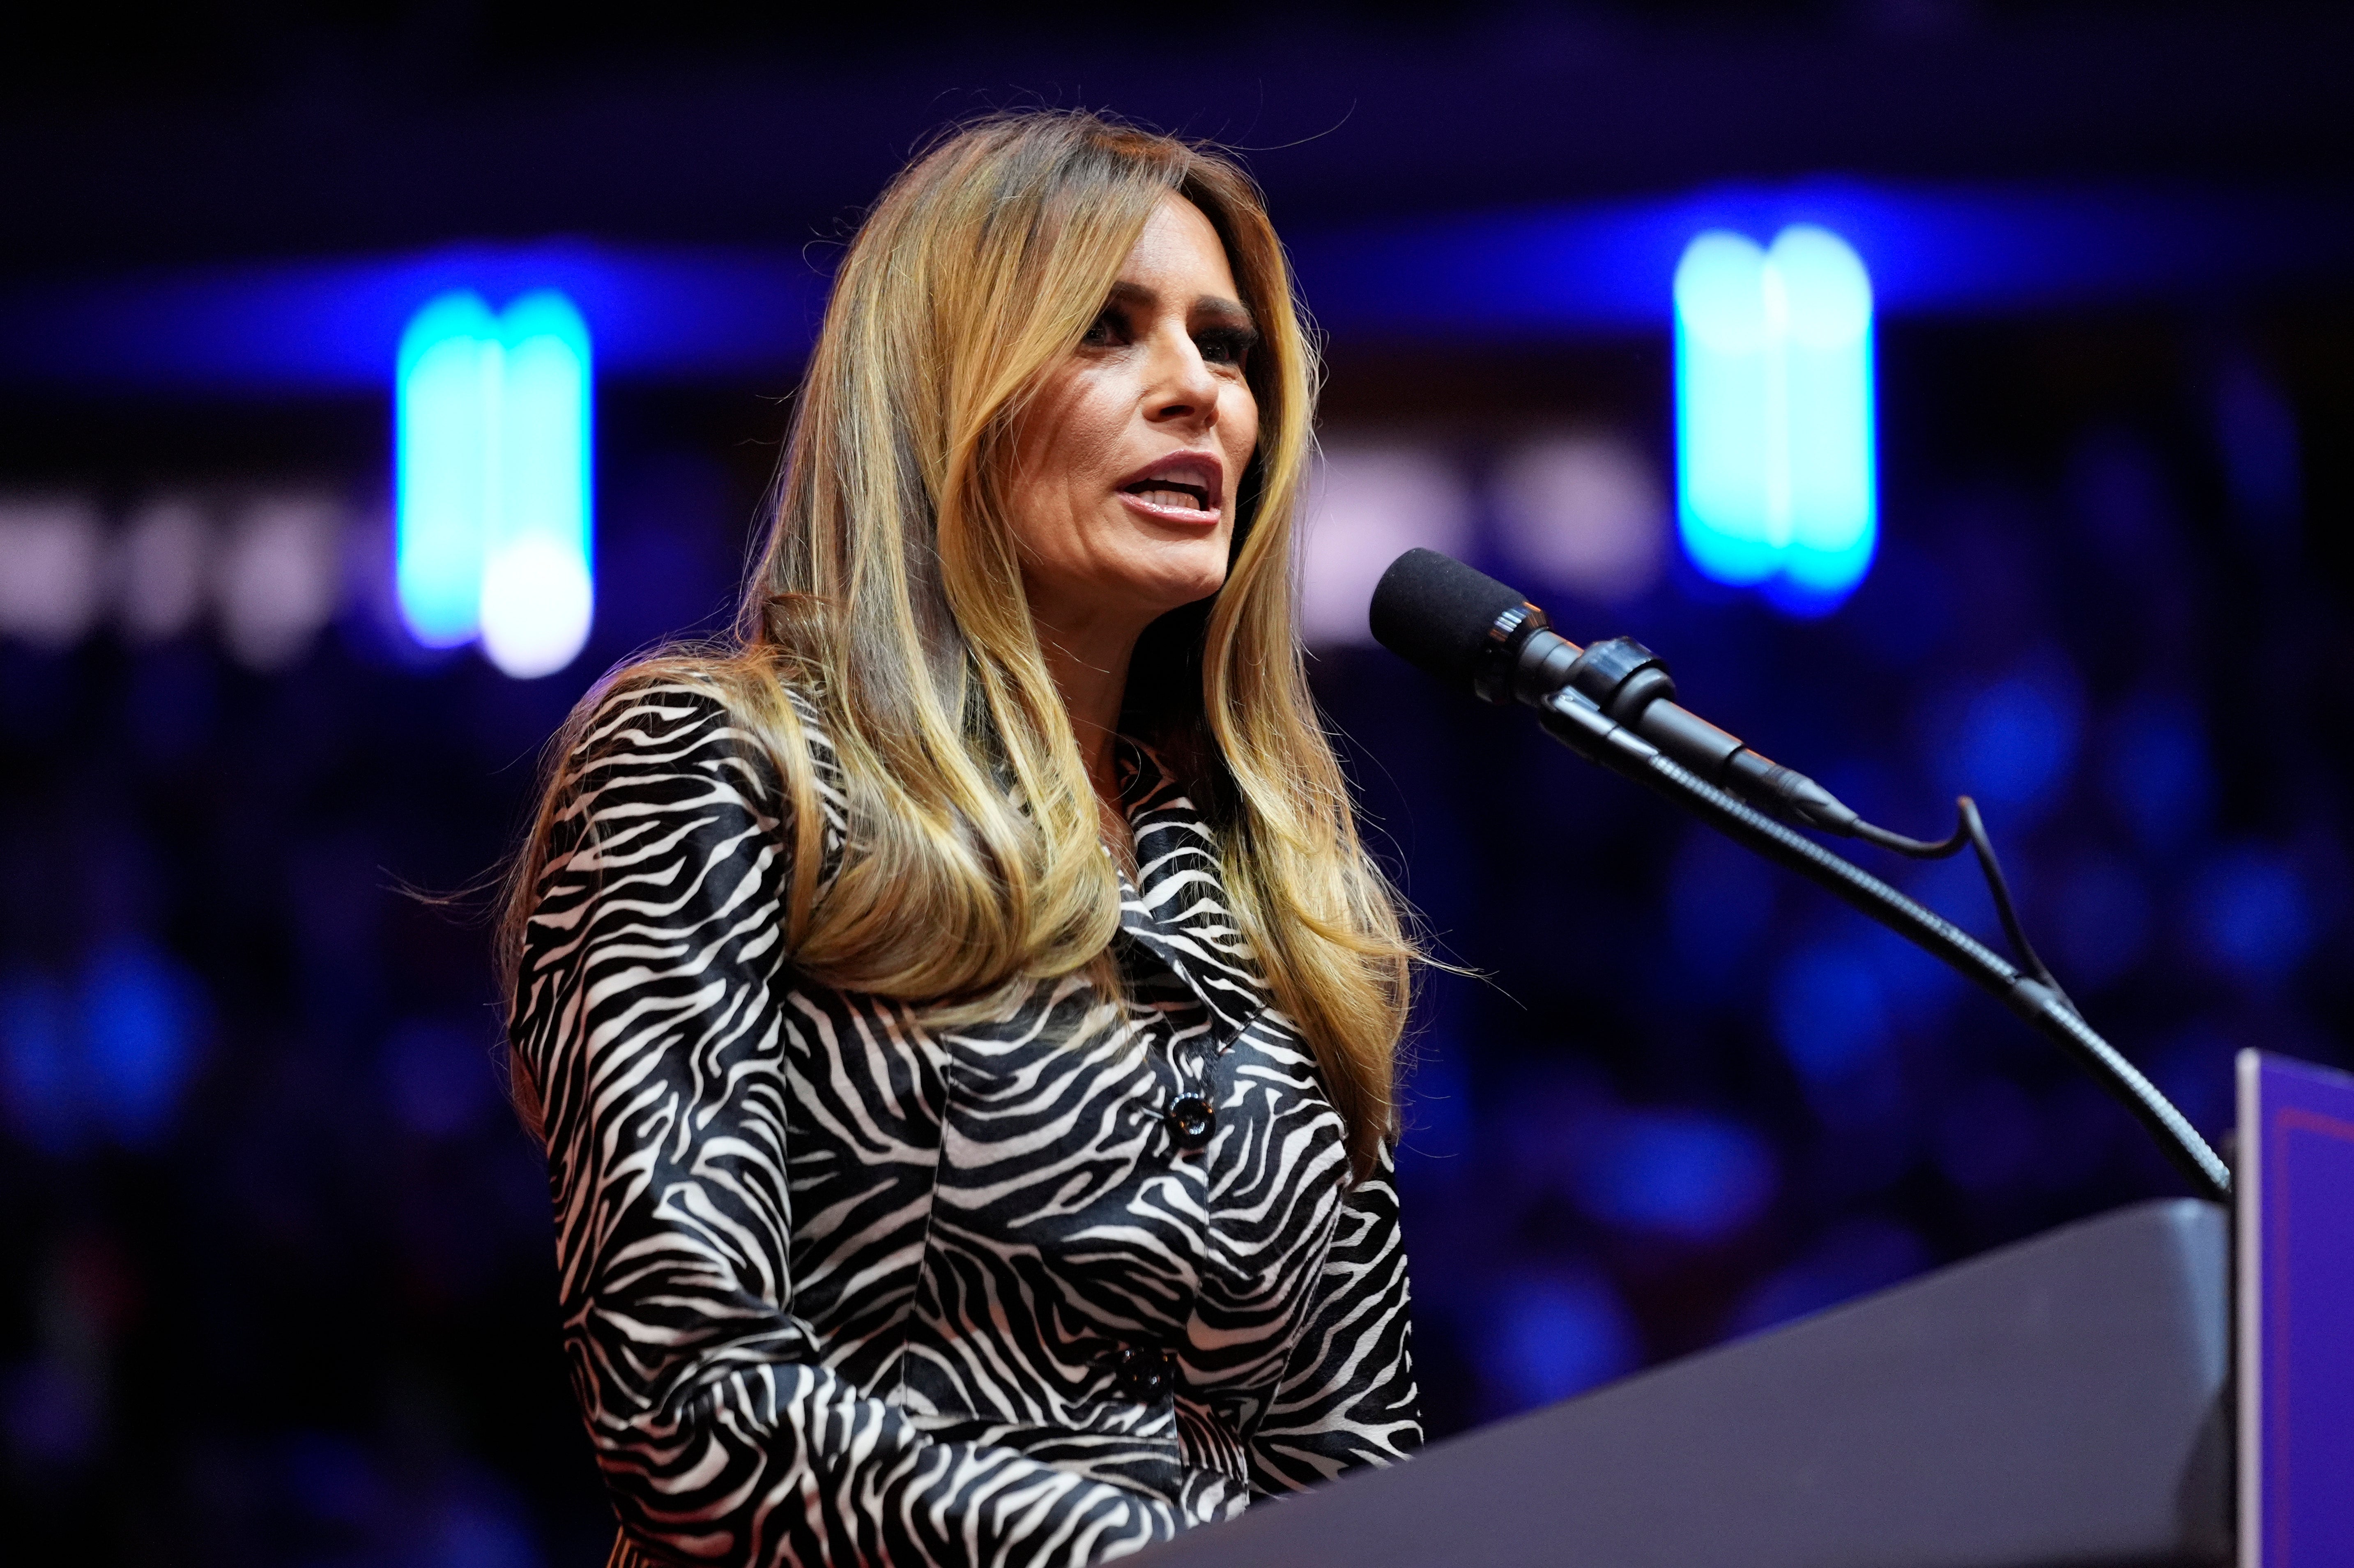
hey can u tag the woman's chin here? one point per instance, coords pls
(1168, 593)
(1166, 579)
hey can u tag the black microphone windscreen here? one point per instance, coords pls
(1433, 612)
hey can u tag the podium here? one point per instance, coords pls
(2069, 1399)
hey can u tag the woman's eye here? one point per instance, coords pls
(1225, 347)
(1104, 331)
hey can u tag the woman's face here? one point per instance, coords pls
(1126, 461)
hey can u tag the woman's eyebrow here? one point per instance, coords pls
(1141, 297)
(1229, 312)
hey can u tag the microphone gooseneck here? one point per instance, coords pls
(1613, 704)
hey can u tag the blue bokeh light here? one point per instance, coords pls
(2256, 433)
(538, 589)
(2012, 743)
(1777, 473)
(444, 441)
(39, 1076)
(2016, 743)
(141, 1016)
(493, 479)
(1830, 1011)
(110, 1058)
(2251, 913)
(2159, 774)
(1682, 1174)
(1556, 1334)
(1720, 902)
(661, 315)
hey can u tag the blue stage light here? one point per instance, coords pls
(1775, 462)
(492, 474)
(538, 591)
(445, 413)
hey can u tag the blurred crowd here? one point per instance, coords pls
(277, 1279)
(276, 1253)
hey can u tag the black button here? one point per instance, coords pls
(1140, 1372)
(1192, 1120)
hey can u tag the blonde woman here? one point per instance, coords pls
(958, 1012)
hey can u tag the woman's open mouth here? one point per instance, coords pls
(1177, 503)
(1183, 488)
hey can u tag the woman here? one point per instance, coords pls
(959, 1012)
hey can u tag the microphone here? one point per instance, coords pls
(1471, 631)
(1614, 703)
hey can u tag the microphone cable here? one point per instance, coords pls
(1971, 830)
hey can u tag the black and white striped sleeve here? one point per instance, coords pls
(652, 1011)
(1347, 1397)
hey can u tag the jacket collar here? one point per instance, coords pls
(1176, 912)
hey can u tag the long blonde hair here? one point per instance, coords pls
(889, 595)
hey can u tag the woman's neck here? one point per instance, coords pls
(1089, 662)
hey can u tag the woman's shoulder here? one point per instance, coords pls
(679, 739)
(663, 712)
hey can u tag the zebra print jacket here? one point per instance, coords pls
(838, 1287)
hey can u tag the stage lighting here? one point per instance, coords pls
(279, 578)
(446, 425)
(1774, 414)
(1584, 510)
(165, 561)
(492, 537)
(1365, 505)
(52, 570)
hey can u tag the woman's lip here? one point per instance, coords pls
(1182, 516)
(1202, 468)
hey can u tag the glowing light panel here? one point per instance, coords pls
(492, 537)
(1774, 460)
(444, 428)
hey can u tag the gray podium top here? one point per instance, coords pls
(2062, 1401)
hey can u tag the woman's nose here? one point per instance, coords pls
(1181, 387)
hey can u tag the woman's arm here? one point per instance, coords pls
(1348, 1397)
(649, 1010)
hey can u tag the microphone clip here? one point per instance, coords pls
(1622, 678)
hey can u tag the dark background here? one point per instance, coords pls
(274, 1258)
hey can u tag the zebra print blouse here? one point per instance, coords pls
(838, 1287)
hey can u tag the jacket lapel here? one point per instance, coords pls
(1175, 912)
